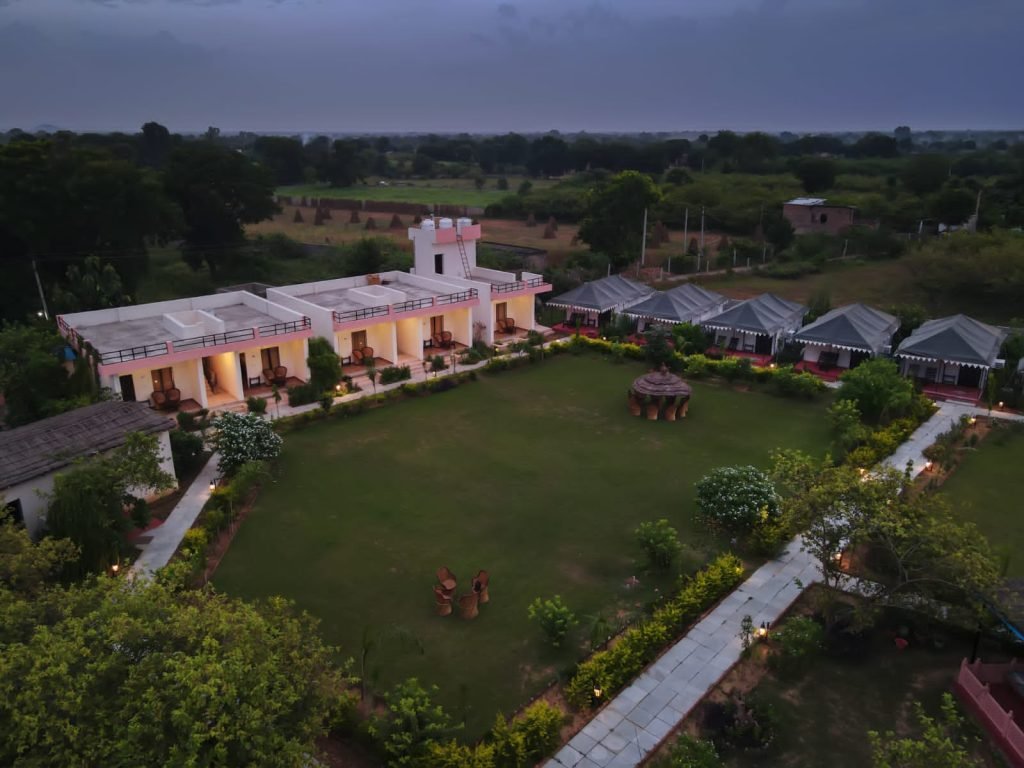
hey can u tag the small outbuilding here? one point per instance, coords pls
(755, 327)
(951, 356)
(810, 215)
(660, 395)
(843, 337)
(594, 301)
(686, 303)
(33, 455)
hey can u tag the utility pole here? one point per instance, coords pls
(39, 285)
(700, 250)
(686, 226)
(643, 241)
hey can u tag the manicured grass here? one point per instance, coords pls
(825, 714)
(985, 489)
(443, 191)
(538, 475)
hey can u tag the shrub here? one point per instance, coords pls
(689, 752)
(554, 618)
(324, 366)
(660, 542)
(736, 499)
(214, 521)
(394, 373)
(878, 389)
(611, 669)
(186, 451)
(192, 421)
(256, 405)
(411, 726)
(789, 383)
(302, 394)
(140, 513)
(193, 547)
(244, 438)
(799, 640)
(451, 754)
(539, 727)
(534, 338)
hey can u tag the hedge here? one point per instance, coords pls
(612, 669)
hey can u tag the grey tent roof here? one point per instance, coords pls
(50, 444)
(855, 326)
(956, 339)
(765, 314)
(608, 293)
(683, 304)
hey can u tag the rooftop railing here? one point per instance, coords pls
(518, 285)
(455, 298)
(360, 314)
(214, 339)
(288, 326)
(413, 304)
(133, 353)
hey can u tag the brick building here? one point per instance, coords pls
(810, 215)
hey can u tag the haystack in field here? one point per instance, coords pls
(552, 223)
(354, 218)
(549, 231)
(326, 212)
(318, 217)
(396, 222)
(370, 223)
(297, 218)
(531, 221)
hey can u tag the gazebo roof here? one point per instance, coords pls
(854, 326)
(661, 383)
(957, 339)
(766, 314)
(682, 304)
(608, 293)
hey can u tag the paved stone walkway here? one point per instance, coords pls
(166, 537)
(626, 731)
(639, 717)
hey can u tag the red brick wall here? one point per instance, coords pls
(808, 218)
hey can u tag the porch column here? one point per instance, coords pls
(200, 382)
(392, 327)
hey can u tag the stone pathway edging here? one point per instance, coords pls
(627, 730)
(166, 538)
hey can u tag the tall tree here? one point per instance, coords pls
(816, 174)
(93, 285)
(32, 377)
(615, 213)
(219, 191)
(110, 672)
(878, 389)
(155, 145)
(283, 155)
(925, 174)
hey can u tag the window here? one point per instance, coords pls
(358, 339)
(501, 311)
(439, 263)
(163, 379)
(823, 218)
(271, 357)
(436, 325)
(12, 511)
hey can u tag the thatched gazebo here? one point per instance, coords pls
(660, 394)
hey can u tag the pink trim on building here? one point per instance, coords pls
(972, 688)
(429, 306)
(449, 234)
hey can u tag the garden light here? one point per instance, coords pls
(115, 568)
(213, 485)
(762, 631)
(337, 387)
(597, 692)
(928, 466)
(972, 421)
(1000, 403)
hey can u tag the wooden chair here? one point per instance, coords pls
(652, 409)
(469, 605)
(442, 602)
(635, 408)
(447, 581)
(442, 339)
(683, 408)
(280, 376)
(670, 409)
(268, 374)
(480, 584)
(173, 398)
(159, 400)
(368, 355)
(507, 325)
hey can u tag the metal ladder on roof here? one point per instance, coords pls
(462, 252)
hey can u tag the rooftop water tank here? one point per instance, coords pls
(465, 221)
(446, 223)
(427, 224)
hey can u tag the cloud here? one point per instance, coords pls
(508, 11)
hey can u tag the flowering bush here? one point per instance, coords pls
(736, 499)
(242, 438)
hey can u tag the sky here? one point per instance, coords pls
(489, 66)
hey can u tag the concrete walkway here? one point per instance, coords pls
(166, 538)
(626, 731)
(639, 717)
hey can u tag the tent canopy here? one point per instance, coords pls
(956, 339)
(766, 314)
(685, 303)
(604, 295)
(855, 326)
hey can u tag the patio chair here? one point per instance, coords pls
(159, 400)
(635, 407)
(507, 325)
(480, 584)
(442, 602)
(173, 398)
(442, 339)
(280, 376)
(652, 409)
(447, 581)
(683, 408)
(670, 409)
(469, 605)
(368, 355)
(268, 374)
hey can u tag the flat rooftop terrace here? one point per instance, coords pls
(342, 299)
(122, 334)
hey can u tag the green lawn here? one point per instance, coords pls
(986, 490)
(443, 191)
(538, 475)
(825, 714)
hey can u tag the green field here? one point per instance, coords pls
(985, 488)
(434, 191)
(539, 476)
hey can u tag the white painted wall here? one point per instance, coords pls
(229, 373)
(33, 493)
(188, 378)
(381, 336)
(409, 336)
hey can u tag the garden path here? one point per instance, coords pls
(631, 726)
